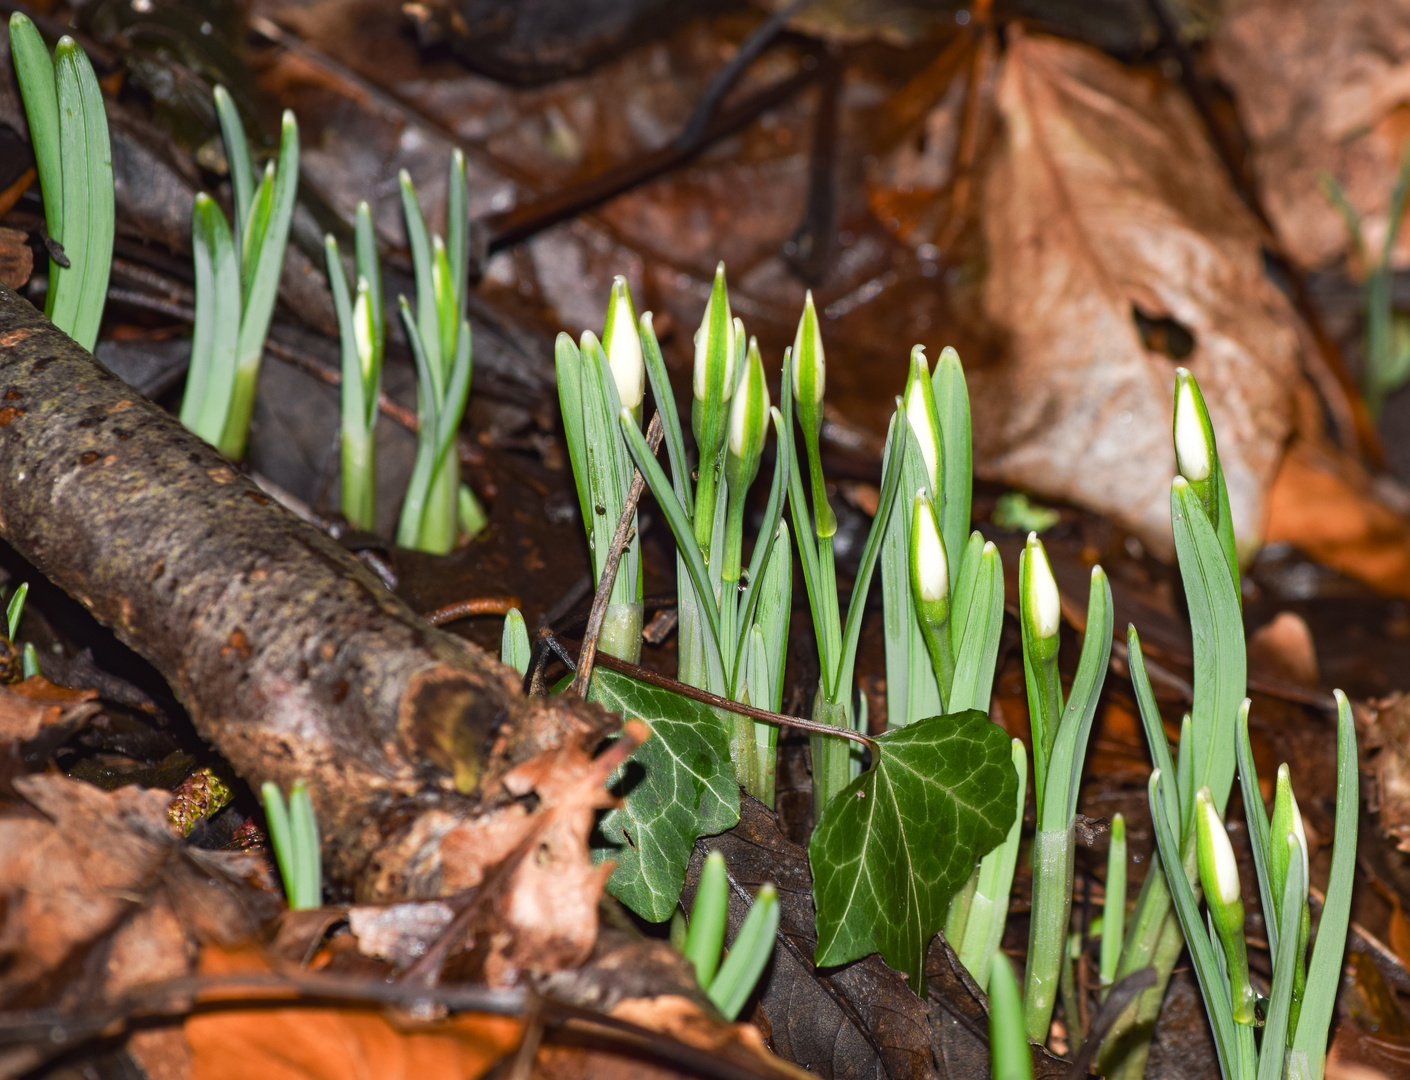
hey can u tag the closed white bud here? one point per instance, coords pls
(701, 381)
(623, 346)
(749, 415)
(809, 363)
(1219, 868)
(931, 567)
(921, 415)
(1192, 455)
(1287, 818)
(1041, 598)
(364, 328)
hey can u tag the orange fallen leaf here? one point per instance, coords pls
(276, 1042)
(1323, 503)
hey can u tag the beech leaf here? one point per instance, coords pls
(897, 842)
(678, 786)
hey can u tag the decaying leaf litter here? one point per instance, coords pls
(964, 156)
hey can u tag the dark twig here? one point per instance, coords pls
(695, 128)
(626, 529)
(665, 682)
(467, 609)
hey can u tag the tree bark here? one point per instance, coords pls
(293, 661)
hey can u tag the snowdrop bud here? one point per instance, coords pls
(1219, 872)
(365, 329)
(1219, 875)
(1040, 600)
(929, 567)
(1287, 818)
(718, 346)
(809, 365)
(1193, 454)
(749, 416)
(623, 346)
(922, 415)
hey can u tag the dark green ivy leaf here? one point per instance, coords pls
(897, 842)
(678, 786)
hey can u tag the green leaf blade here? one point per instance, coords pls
(896, 843)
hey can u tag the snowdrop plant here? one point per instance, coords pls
(68, 131)
(733, 628)
(293, 833)
(438, 508)
(1297, 1013)
(14, 611)
(362, 336)
(595, 387)
(835, 763)
(237, 283)
(1204, 546)
(728, 983)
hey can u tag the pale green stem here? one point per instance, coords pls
(1053, 851)
(360, 478)
(236, 432)
(957, 918)
(440, 523)
(832, 755)
(621, 632)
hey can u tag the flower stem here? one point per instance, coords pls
(1053, 851)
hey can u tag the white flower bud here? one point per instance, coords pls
(809, 363)
(1041, 598)
(1216, 853)
(623, 346)
(701, 382)
(749, 415)
(1191, 447)
(931, 568)
(921, 415)
(364, 328)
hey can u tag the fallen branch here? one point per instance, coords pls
(290, 657)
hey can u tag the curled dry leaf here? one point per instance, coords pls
(1103, 204)
(1320, 86)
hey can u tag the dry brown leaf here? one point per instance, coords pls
(71, 872)
(1102, 198)
(28, 707)
(1321, 86)
(1323, 503)
(1385, 733)
(296, 1043)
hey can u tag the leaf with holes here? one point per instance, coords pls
(678, 786)
(897, 842)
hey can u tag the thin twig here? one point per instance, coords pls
(665, 682)
(620, 539)
(466, 609)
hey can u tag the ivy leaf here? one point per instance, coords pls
(897, 842)
(678, 786)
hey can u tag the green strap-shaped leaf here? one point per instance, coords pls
(1257, 819)
(665, 399)
(458, 232)
(354, 408)
(1285, 960)
(35, 72)
(748, 956)
(1154, 727)
(413, 507)
(14, 610)
(952, 404)
(369, 268)
(1070, 747)
(894, 845)
(1208, 961)
(891, 463)
(678, 786)
(514, 648)
(961, 601)
(912, 689)
(1220, 661)
(768, 528)
(237, 157)
(211, 382)
(979, 649)
(427, 318)
(989, 905)
(1324, 970)
(87, 236)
